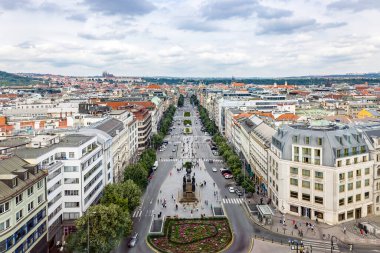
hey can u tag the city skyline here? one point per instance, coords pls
(190, 38)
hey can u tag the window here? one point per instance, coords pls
(338, 153)
(305, 173)
(18, 199)
(30, 206)
(348, 161)
(319, 141)
(26, 176)
(18, 215)
(366, 182)
(296, 150)
(358, 184)
(341, 176)
(306, 184)
(354, 150)
(362, 149)
(359, 173)
(366, 171)
(4, 207)
(341, 216)
(71, 155)
(14, 182)
(350, 214)
(293, 170)
(364, 158)
(71, 192)
(366, 195)
(306, 151)
(339, 164)
(341, 202)
(350, 200)
(318, 174)
(346, 152)
(355, 160)
(71, 168)
(3, 226)
(295, 139)
(350, 186)
(40, 184)
(294, 209)
(294, 194)
(317, 161)
(318, 187)
(317, 152)
(358, 197)
(71, 180)
(30, 191)
(318, 200)
(341, 188)
(294, 181)
(307, 140)
(71, 204)
(305, 197)
(350, 174)
(40, 198)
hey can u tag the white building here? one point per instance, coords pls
(321, 172)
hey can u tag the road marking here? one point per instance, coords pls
(234, 201)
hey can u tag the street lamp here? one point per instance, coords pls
(332, 242)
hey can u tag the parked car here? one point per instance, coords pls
(231, 189)
(238, 192)
(228, 176)
(214, 169)
(173, 150)
(210, 161)
(133, 241)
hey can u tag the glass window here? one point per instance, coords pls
(306, 184)
(293, 170)
(305, 197)
(319, 141)
(348, 161)
(307, 140)
(366, 195)
(350, 186)
(30, 191)
(319, 174)
(350, 174)
(358, 172)
(305, 173)
(294, 194)
(4, 207)
(341, 202)
(338, 153)
(350, 214)
(18, 199)
(341, 188)
(341, 216)
(350, 200)
(18, 215)
(341, 176)
(358, 184)
(318, 200)
(294, 181)
(40, 184)
(366, 171)
(358, 197)
(71, 154)
(317, 152)
(339, 164)
(366, 182)
(294, 209)
(318, 187)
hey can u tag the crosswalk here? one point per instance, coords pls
(139, 213)
(185, 158)
(169, 160)
(320, 245)
(233, 201)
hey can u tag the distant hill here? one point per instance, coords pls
(8, 79)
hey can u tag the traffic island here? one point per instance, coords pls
(192, 235)
(187, 130)
(186, 114)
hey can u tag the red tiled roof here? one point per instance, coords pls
(287, 117)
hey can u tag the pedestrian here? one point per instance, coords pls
(344, 229)
(172, 196)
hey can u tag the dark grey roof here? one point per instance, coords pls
(110, 126)
(14, 142)
(73, 140)
(14, 164)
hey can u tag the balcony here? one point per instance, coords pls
(52, 166)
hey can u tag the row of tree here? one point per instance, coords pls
(181, 100)
(194, 100)
(163, 126)
(207, 123)
(103, 226)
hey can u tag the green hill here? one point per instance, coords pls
(8, 79)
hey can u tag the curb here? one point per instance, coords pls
(150, 246)
(232, 232)
(251, 247)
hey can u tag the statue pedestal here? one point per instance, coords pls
(188, 194)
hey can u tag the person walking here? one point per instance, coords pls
(344, 229)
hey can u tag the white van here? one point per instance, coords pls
(155, 166)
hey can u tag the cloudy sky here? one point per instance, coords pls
(220, 38)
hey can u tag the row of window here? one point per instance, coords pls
(350, 174)
(306, 197)
(348, 161)
(350, 199)
(346, 151)
(30, 191)
(306, 173)
(306, 184)
(350, 186)
(307, 140)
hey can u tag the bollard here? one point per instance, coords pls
(277, 230)
(292, 232)
(272, 240)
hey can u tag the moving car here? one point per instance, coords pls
(133, 241)
(214, 169)
(238, 192)
(173, 150)
(231, 189)
(228, 176)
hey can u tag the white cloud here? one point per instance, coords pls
(189, 37)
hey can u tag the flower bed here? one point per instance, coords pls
(186, 114)
(193, 235)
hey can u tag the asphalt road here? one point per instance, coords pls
(243, 228)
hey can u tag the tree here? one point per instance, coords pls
(107, 226)
(157, 140)
(138, 173)
(126, 195)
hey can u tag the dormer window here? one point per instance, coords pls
(319, 141)
(35, 170)
(14, 182)
(26, 175)
(307, 140)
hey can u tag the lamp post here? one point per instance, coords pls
(332, 242)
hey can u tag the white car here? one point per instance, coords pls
(214, 169)
(231, 189)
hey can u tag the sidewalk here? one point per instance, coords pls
(320, 231)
